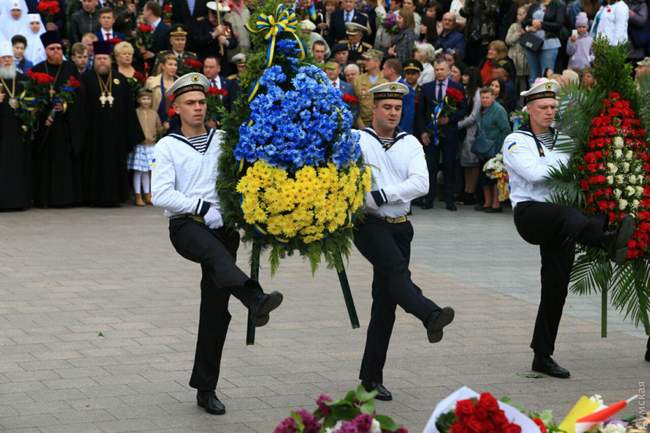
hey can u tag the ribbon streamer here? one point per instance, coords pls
(436, 114)
(283, 20)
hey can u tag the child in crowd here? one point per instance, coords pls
(516, 51)
(19, 43)
(141, 158)
(579, 44)
(79, 56)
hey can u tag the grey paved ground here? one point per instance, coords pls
(68, 275)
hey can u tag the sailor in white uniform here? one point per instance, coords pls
(183, 184)
(529, 154)
(399, 175)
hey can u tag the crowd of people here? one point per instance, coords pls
(464, 61)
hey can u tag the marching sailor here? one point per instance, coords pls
(183, 184)
(399, 175)
(529, 155)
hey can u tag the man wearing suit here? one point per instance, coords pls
(106, 21)
(448, 140)
(212, 71)
(189, 12)
(152, 13)
(333, 71)
(342, 16)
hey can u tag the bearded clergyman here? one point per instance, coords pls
(111, 130)
(57, 168)
(15, 153)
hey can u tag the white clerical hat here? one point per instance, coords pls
(542, 88)
(392, 90)
(189, 82)
(6, 49)
(307, 25)
(34, 18)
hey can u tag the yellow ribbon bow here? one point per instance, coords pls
(283, 20)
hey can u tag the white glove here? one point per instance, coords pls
(213, 218)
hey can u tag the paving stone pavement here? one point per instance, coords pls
(98, 323)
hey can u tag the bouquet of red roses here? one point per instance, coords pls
(194, 64)
(167, 10)
(40, 86)
(48, 9)
(480, 415)
(445, 108)
(144, 36)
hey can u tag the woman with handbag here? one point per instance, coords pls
(543, 24)
(493, 127)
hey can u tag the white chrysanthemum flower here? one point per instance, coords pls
(618, 193)
(626, 167)
(630, 190)
(612, 168)
(618, 142)
(629, 154)
(619, 179)
(633, 179)
(618, 153)
(622, 204)
(639, 191)
(610, 180)
(635, 204)
(613, 428)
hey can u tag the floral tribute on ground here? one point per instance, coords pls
(609, 174)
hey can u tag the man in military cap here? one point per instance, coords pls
(364, 82)
(187, 60)
(239, 60)
(529, 155)
(183, 179)
(384, 236)
(340, 54)
(355, 44)
(411, 69)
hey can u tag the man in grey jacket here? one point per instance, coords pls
(85, 20)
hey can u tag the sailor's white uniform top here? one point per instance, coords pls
(399, 172)
(528, 163)
(183, 180)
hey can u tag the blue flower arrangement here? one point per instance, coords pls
(299, 122)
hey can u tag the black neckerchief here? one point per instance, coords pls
(540, 147)
(397, 135)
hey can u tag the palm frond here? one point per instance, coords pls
(630, 291)
(591, 273)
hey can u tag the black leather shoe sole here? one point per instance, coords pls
(550, 370)
(261, 320)
(434, 327)
(272, 301)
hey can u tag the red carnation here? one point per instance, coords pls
(215, 91)
(171, 112)
(41, 78)
(139, 76)
(114, 41)
(145, 28)
(350, 99)
(73, 82)
(455, 94)
(167, 8)
(193, 63)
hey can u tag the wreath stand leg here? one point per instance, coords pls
(255, 275)
(345, 287)
(603, 312)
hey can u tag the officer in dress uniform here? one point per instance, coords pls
(355, 44)
(364, 82)
(399, 175)
(529, 154)
(178, 44)
(183, 179)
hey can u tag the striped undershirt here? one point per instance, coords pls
(387, 142)
(199, 143)
(547, 140)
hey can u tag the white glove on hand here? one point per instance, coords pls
(370, 202)
(213, 218)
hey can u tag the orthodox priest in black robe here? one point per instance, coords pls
(15, 152)
(57, 167)
(111, 128)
